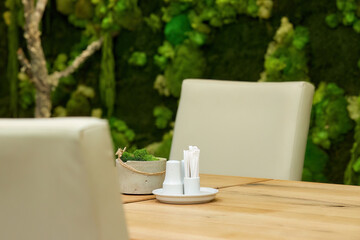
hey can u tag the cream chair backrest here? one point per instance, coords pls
(58, 181)
(246, 129)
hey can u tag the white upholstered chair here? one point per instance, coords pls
(58, 181)
(248, 129)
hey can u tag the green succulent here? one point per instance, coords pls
(138, 155)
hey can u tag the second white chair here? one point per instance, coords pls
(248, 129)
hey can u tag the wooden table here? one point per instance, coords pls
(250, 208)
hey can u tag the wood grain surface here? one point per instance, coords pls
(206, 180)
(271, 209)
(220, 181)
(126, 198)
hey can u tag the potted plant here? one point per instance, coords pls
(139, 172)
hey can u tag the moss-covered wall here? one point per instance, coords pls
(235, 46)
(4, 85)
(237, 50)
(333, 53)
(136, 96)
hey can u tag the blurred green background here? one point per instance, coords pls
(151, 46)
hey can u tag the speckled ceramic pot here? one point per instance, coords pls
(137, 183)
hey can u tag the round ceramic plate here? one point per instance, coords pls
(206, 195)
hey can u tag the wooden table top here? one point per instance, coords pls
(248, 208)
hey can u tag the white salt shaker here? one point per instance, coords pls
(173, 183)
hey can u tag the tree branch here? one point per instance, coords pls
(26, 67)
(93, 47)
(39, 11)
(28, 9)
(33, 40)
(25, 64)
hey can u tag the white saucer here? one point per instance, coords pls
(206, 195)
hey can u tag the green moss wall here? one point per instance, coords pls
(233, 51)
(4, 100)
